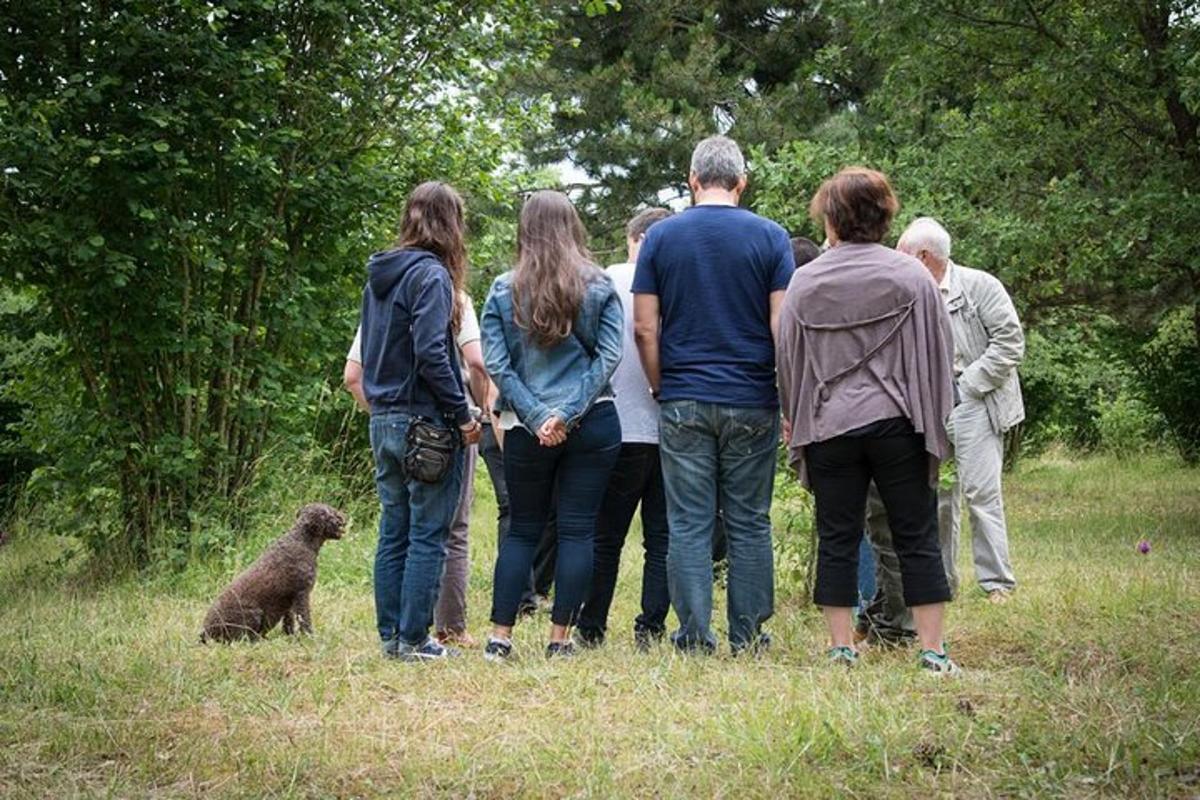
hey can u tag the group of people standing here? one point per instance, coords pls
(659, 384)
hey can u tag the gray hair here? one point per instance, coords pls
(926, 233)
(718, 161)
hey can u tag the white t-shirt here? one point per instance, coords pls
(960, 365)
(467, 332)
(637, 410)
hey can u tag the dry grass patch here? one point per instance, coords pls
(1084, 685)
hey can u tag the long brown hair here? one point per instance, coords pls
(553, 268)
(435, 220)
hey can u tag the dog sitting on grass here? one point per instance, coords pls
(277, 586)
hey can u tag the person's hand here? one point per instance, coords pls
(471, 432)
(785, 430)
(966, 391)
(552, 433)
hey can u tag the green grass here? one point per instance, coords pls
(1086, 684)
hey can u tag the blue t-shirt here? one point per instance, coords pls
(713, 269)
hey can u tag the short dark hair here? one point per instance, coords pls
(804, 250)
(641, 222)
(858, 203)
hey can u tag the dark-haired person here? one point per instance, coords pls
(865, 374)
(551, 340)
(636, 478)
(707, 289)
(541, 578)
(804, 250)
(411, 309)
(450, 611)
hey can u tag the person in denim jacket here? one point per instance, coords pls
(552, 336)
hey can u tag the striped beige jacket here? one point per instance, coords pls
(988, 342)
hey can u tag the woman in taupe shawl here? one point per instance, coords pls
(865, 378)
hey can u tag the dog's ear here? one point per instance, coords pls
(307, 516)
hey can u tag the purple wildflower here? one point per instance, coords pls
(1143, 546)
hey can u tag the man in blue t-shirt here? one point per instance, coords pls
(707, 291)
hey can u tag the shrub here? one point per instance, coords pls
(1170, 372)
(1073, 361)
(1126, 423)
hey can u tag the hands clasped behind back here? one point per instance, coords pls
(553, 432)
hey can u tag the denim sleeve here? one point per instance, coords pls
(609, 349)
(431, 309)
(496, 357)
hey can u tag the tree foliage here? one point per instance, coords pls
(190, 189)
(1057, 140)
(632, 89)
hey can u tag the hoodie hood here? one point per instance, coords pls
(384, 270)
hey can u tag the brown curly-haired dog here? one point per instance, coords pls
(276, 586)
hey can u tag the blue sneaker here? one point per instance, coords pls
(938, 664)
(842, 656)
(430, 650)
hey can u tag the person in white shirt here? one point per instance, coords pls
(636, 479)
(450, 612)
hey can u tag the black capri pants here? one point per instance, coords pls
(840, 471)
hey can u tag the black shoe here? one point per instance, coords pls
(646, 638)
(693, 646)
(758, 647)
(497, 649)
(429, 650)
(589, 638)
(561, 649)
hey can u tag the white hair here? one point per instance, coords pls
(926, 233)
(718, 160)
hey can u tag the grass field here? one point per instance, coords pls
(1087, 684)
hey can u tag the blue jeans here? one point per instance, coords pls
(580, 468)
(719, 454)
(413, 528)
(866, 573)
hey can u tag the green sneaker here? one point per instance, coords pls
(842, 656)
(937, 663)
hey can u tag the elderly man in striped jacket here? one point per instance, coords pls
(989, 345)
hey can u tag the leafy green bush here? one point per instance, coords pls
(1072, 361)
(189, 192)
(1126, 423)
(1170, 371)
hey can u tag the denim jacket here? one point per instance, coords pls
(564, 380)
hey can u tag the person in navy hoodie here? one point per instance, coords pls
(411, 310)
